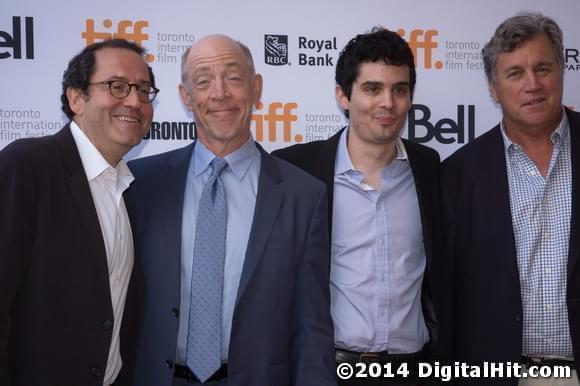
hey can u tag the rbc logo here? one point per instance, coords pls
(14, 41)
(126, 29)
(276, 49)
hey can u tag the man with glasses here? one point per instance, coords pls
(69, 283)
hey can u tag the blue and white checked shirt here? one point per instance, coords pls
(541, 210)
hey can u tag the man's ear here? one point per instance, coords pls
(341, 98)
(76, 100)
(185, 97)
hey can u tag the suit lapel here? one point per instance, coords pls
(325, 168)
(495, 175)
(424, 185)
(80, 195)
(172, 202)
(269, 200)
(574, 247)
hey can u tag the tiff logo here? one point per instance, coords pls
(423, 41)
(276, 49)
(14, 41)
(272, 117)
(126, 29)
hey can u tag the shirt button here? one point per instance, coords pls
(548, 270)
(533, 173)
(547, 235)
(549, 306)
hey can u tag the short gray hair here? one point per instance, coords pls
(515, 31)
(243, 47)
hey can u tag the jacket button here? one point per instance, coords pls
(108, 325)
(519, 318)
(97, 372)
(175, 312)
(169, 364)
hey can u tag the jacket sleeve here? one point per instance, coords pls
(313, 333)
(17, 202)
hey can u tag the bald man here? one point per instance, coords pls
(248, 302)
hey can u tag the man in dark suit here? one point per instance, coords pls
(512, 242)
(265, 300)
(383, 212)
(69, 288)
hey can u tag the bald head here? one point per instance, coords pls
(213, 45)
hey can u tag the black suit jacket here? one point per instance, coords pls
(55, 303)
(318, 158)
(483, 318)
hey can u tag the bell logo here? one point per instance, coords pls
(423, 41)
(126, 29)
(277, 112)
(14, 41)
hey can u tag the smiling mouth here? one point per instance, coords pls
(385, 119)
(534, 102)
(125, 118)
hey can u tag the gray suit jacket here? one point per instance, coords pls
(281, 330)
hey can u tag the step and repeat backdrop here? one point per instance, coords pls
(295, 47)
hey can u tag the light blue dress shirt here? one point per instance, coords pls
(541, 211)
(240, 180)
(378, 259)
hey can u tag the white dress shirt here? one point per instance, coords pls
(107, 185)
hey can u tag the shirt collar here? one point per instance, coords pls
(93, 161)
(560, 133)
(238, 161)
(343, 162)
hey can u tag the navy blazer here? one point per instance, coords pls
(483, 318)
(318, 158)
(56, 314)
(281, 330)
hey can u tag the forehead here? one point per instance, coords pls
(536, 49)
(381, 72)
(120, 63)
(216, 50)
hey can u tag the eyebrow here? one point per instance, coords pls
(378, 83)
(123, 78)
(517, 66)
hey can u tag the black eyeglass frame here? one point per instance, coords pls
(148, 92)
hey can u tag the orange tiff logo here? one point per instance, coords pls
(277, 112)
(423, 41)
(126, 29)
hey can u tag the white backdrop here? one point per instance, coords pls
(451, 103)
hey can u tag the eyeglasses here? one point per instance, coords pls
(121, 90)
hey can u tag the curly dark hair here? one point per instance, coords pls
(379, 44)
(82, 67)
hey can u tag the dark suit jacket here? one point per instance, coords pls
(55, 302)
(318, 158)
(484, 303)
(281, 330)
